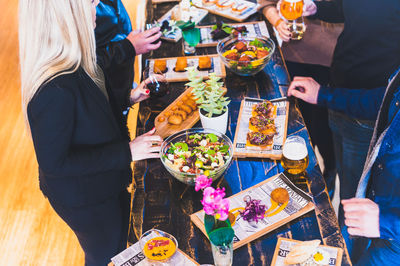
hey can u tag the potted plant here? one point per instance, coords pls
(209, 95)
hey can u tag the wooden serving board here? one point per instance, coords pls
(283, 245)
(165, 129)
(228, 13)
(300, 203)
(217, 66)
(255, 28)
(163, 1)
(240, 149)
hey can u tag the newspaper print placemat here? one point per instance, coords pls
(284, 245)
(217, 67)
(240, 149)
(133, 256)
(245, 232)
(256, 28)
(227, 12)
(197, 14)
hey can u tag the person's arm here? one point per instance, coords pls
(359, 103)
(52, 121)
(269, 10)
(329, 11)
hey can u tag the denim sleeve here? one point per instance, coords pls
(329, 11)
(389, 223)
(358, 103)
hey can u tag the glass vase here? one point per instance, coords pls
(223, 255)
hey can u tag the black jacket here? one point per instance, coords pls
(84, 157)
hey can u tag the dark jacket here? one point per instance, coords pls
(384, 182)
(83, 156)
(368, 49)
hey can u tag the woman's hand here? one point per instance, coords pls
(146, 146)
(361, 217)
(283, 31)
(142, 41)
(141, 92)
(309, 8)
(304, 88)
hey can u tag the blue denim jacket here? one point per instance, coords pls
(384, 186)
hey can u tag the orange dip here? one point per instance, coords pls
(159, 248)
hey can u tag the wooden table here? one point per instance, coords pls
(162, 202)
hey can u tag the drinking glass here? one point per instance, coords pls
(292, 11)
(295, 158)
(157, 84)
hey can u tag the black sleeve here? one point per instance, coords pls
(117, 61)
(52, 119)
(329, 11)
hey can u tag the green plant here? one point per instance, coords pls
(208, 94)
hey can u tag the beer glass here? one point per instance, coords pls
(292, 11)
(295, 157)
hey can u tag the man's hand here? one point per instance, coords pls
(361, 217)
(309, 8)
(142, 41)
(304, 88)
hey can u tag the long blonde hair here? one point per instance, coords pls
(55, 38)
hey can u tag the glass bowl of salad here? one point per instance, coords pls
(196, 151)
(245, 55)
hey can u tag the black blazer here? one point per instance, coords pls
(83, 156)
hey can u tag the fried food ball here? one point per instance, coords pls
(179, 103)
(280, 195)
(160, 66)
(175, 119)
(186, 108)
(183, 114)
(204, 62)
(167, 113)
(174, 108)
(191, 103)
(161, 119)
(181, 64)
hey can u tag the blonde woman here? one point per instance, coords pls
(84, 158)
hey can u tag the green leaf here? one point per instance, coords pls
(224, 149)
(182, 146)
(210, 152)
(222, 236)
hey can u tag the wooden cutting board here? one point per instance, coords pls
(165, 129)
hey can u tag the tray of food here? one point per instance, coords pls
(261, 128)
(179, 115)
(163, 1)
(262, 208)
(174, 68)
(310, 253)
(212, 34)
(238, 10)
(168, 21)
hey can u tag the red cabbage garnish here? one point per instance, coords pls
(253, 211)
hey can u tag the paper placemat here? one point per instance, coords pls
(227, 12)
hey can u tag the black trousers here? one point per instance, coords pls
(316, 119)
(101, 229)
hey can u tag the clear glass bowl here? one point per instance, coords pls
(255, 66)
(189, 178)
(152, 233)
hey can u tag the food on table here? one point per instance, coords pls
(238, 8)
(204, 62)
(259, 139)
(186, 108)
(182, 113)
(224, 4)
(197, 154)
(246, 54)
(222, 30)
(260, 123)
(181, 64)
(209, 2)
(191, 103)
(280, 195)
(159, 248)
(175, 119)
(254, 210)
(174, 108)
(307, 253)
(167, 113)
(161, 119)
(264, 108)
(160, 66)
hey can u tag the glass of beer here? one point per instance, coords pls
(295, 158)
(292, 11)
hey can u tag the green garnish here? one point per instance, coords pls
(257, 43)
(212, 137)
(182, 146)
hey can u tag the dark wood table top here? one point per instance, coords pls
(160, 201)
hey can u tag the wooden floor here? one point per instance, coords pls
(30, 231)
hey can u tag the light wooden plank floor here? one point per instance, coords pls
(30, 231)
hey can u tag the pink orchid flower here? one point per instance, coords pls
(202, 182)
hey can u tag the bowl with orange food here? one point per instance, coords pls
(158, 246)
(245, 55)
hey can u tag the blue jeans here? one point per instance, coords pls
(351, 138)
(372, 252)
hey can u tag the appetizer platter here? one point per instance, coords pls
(237, 10)
(211, 35)
(310, 253)
(167, 22)
(174, 67)
(261, 129)
(179, 115)
(262, 208)
(163, 1)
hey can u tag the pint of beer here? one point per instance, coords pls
(295, 156)
(292, 11)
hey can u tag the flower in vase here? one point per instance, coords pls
(223, 210)
(214, 203)
(202, 182)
